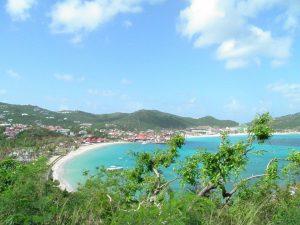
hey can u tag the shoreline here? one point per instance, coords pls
(213, 135)
(238, 134)
(58, 167)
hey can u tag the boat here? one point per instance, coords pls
(114, 168)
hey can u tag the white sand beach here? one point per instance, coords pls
(214, 135)
(237, 134)
(287, 133)
(58, 167)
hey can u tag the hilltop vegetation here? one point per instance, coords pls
(140, 120)
(31, 115)
(153, 119)
(37, 141)
(144, 195)
(288, 122)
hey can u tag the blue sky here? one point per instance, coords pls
(229, 59)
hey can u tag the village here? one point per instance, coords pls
(114, 134)
(86, 134)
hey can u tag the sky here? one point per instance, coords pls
(230, 59)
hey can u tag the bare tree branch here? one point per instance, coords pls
(138, 208)
(244, 180)
(274, 160)
(249, 150)
(156, 173)
(169, 182)
(232, 192)
(110, 199)
(135, 210)
(160, 188)
(207, 189)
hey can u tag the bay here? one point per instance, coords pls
(279, 146)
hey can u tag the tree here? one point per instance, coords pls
(210, 171)
(144, 195)
(9, 169)
(147, 175)
(29, 198)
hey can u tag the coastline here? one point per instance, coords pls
(58, 167)
(237, 134)
(213, 135)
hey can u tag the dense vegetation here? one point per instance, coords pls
(153, 119)
(141, 120)
(38, 140)
(288, 122)
(144, 195)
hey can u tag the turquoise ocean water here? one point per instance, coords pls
(279, 146)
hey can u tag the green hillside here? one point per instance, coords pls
(288, 122)
(141, 120)
(152, 119)
(211, 121)
(32, 115)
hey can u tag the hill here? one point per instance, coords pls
(141, 120)
(287, 122)
(213, 122)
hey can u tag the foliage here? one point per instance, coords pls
(179, 210)
(146, 177)
(36, 139)
(143, 195)
(30, 199)
(288, 122)
(2, 135)
(217, 167)
(207, 171)
(8, 173)
(287, 210)
(140, 120)
(261, 127)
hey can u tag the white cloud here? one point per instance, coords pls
(239, 41)
(19, 9)
(72, 16)
(64, 77)
(126, 81)
(78, 17)
(13, 74)
(290, 91)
